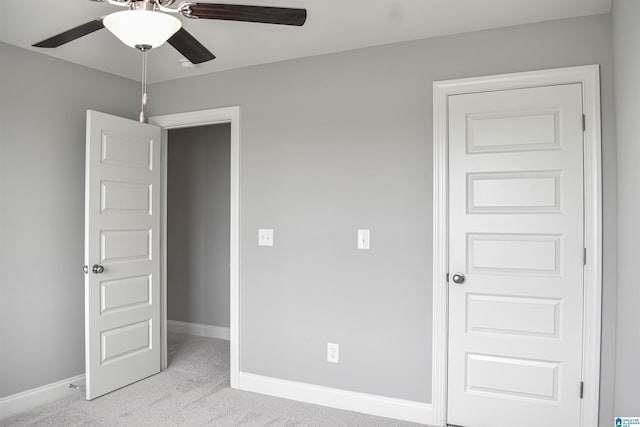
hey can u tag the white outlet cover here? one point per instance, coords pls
(265, 237)
(333, 353)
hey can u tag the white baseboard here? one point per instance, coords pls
(198, 329)
(381, 406)
(20, 402)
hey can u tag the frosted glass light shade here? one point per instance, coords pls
(142, 27)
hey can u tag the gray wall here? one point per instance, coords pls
(626, 42)
(334, 143)
(43, 103)
(198, 224)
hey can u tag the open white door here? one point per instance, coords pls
(122, 252)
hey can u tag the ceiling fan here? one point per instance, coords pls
(148, 23)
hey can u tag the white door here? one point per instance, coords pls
(516, 238)
(122, 252)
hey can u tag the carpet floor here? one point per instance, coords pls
(193, 391)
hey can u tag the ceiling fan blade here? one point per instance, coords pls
(236, 12)
(189, 47)
(72, 34)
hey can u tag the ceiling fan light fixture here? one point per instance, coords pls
(142, 27)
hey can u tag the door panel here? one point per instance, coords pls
(125, 341)
(511, 377)
(526, 192)
(122, 310)
(500, 253)
(125, 246)
(120, 149)
(512, 131)
(125, 197)
(512, 315)
(125, 294)
(516, 233)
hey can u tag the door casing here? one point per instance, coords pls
(589, 77)
(229, 115)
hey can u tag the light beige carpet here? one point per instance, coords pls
(193, 391)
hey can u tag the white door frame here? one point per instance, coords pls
(200, 118)
(589, 77)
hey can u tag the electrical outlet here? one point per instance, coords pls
(333, 353)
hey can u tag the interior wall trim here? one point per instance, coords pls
(589, 77)
(198, 329)
(30, 399)
(380, 406)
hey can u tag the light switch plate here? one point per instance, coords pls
(363, 239)
(333, 353)
(265, 237)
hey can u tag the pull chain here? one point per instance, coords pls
(143, 101)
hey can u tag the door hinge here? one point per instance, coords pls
(584, 123)
(584, 256)
(581, 389)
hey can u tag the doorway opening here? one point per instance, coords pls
(198, 235)
(229, 116)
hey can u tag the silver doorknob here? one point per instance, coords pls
(458, 278)
(97, 269)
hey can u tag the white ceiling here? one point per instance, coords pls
(332, 26)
